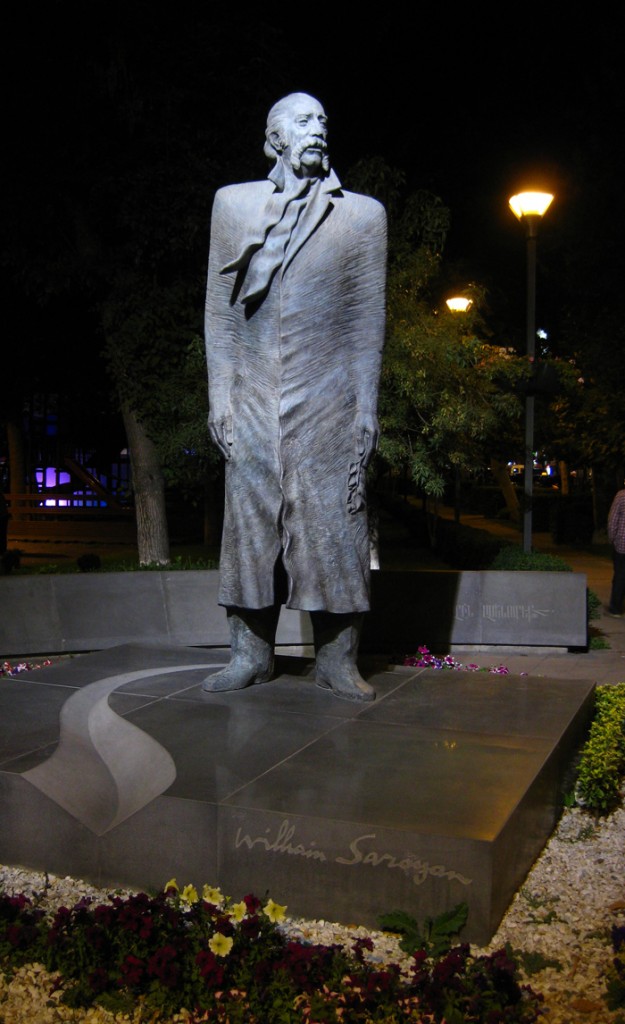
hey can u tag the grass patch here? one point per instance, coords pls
(184, 558)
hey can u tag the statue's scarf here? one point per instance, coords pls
(287, 220)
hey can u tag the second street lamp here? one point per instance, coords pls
(529, 207)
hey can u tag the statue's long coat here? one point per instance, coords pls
(298, 367)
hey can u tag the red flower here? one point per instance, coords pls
(252, 903)
(162, 965)
(210, 968)
(132, 970)
(104, 915)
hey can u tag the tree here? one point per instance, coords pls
(108, 207)
(442, 402)
(149, 336)
(446, 393)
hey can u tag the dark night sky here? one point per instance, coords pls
(466, 105)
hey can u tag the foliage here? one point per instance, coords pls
(460, 989)
(594, 605)
(226, 961)
(157, 360)
(437, 933)
(441, 403)
(602, 762)
(533, 962)
(441, 397)
(512, 558)
(112, 230)
(190, 556)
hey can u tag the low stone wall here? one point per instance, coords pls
(524, 609)
(86, 612)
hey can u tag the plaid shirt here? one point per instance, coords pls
(616, 522)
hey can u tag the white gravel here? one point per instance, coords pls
(564, 911)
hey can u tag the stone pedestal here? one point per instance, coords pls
(116, 767)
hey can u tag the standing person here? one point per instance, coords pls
(616, 536)
(294, 337)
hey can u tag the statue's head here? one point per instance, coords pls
(297, 129)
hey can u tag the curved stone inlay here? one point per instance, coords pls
(105, 768)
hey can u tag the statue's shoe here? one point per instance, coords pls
(348, 685)
(237, 676)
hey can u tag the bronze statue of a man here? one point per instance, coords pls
(294, 336)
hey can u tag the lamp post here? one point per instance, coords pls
(529, 207)
(458, 304)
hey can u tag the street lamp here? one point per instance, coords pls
(458, 304)
(529, 207)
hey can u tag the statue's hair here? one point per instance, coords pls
(275, 123)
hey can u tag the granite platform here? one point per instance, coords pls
(116, 767)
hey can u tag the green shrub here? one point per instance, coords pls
(594, 605)
(514, 559)
(435, 937)
(602, 762)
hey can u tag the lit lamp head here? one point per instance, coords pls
(458, 304)
(529, 207)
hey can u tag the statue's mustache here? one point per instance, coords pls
(310, 142)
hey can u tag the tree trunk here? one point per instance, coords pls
(565, 489)
(149, 491)
(502, 477)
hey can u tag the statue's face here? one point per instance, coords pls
(305, 130)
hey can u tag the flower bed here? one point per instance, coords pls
(222, 961)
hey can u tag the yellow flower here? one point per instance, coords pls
(238, 910)
(212, 895)
(274, 911)
(220, 944)
(189, 895)
(172, 884)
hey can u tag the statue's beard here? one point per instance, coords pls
(310, 143)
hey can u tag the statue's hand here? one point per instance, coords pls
(367, 434)
(220, 430)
